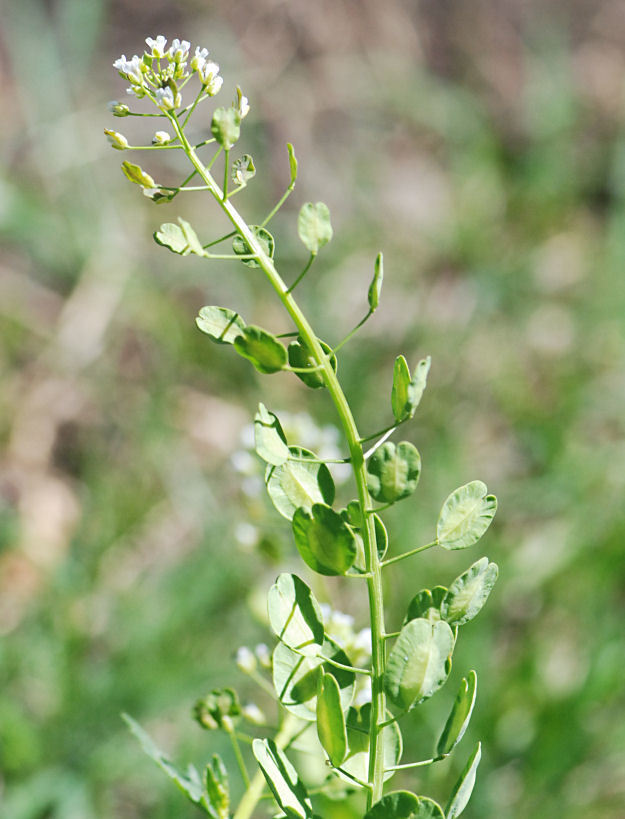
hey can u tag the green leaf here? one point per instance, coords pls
(217, 789)
(265, 239)
(330, 719)
(299, 483)
(219, 323)
(393, 472)
(407, 392)
(283, 780)
(357, 762)
(301, 356)
(375, 288)
(459, 717)
(426, 604)
(313, 226)
(294, 614)
(136, 174)
(469, 592)
(292, 164)
(352, 516)
(243, 169)
(190, 785)
(261, 348)
(464, 786)
(269, 437)
(419, 663)
(466, 515)
(323, 539)
(226, 127)
(296, 678)
(405, 805)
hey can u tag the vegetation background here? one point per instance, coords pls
(480, 144)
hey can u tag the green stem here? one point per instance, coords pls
(352, 332)
(352, 435)
(239, 757)
(412, 552)
(303, 273)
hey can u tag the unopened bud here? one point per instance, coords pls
(118, 141)
(161, 138)
(263, 654)
(253, 714)
(246, 660)
(118, 109)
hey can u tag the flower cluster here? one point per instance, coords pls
(161, 71)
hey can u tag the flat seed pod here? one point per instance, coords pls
(464, 786)
(299, 483)
(313, 226)
(294, 614)
(261, 348)
(283, 780)
(393, 472)
(330, 719)
(266, 240)
(171, 236)
(405, 805)
(357, 761)
(136, 174)
(269, 437)
(466, 515)
(296, 678)
(469, 592)
(426, 604)
(220, 324)
(323, 539)
(300, 356)
(407, 392)
(459, 717)
(193, 243)
(419, 662)
(226, 126)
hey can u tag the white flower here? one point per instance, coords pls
(246, 660)
(209, 75)
(135, 91)
(116, 139)
(179, 50)
(157, 46)
(130, 69)
(161, 138)
(253, 714)
(199, 59)
(242, 104)
(263, 654)
(165, 99)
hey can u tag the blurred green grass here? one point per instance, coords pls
(482, 148)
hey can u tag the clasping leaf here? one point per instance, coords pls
(265, 239)
(294, 614)
(301, 356)
(393, 472)
(331, 720)
(469, 592)
(466, 515)
(407, 392)
(313, 226)
(323, 539)
(283, 780)
(405, 805)
(459, 717)
(269, 437)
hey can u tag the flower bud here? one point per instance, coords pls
(161, 138)
(118, 109)
(263, 654)
(246, 661)
(253, 714)
(118, 141)
(217, 709)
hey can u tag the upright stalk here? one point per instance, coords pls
(373, 565)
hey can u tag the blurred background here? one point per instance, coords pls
(481, 146)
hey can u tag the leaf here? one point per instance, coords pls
(191, 785)
(459, 717)
(136, 174)
(313, 226)
(261, 348)
(419, 663)
(330, 720)
(265, 239)
(407, 392)
(296, 678)
(294, 614)
(466, 515)
(292, 164)
(352, 516)
(283, 780)
(301, 356)
(299, 483)
(464, 786)
(226, 127)
(375, 288)
(469, 592)
(405, 805)
(324, 540)
(220, 324)
(217, 790)
(172, 237)
(243, 169)
(357, 762)
(393, 472)
(426, 604)
(269, 437)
